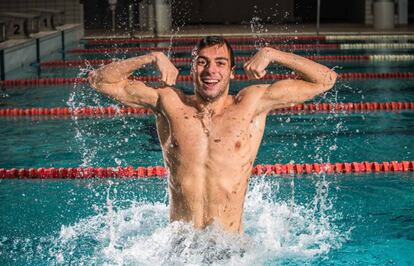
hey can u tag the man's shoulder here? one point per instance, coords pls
(166, 89)
(256, 90)
(171, 95)
(170, 92)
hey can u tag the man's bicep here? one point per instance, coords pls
(287, 93)
(139, 93)
(131, 93)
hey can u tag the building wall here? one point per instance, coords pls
(231, 11)
(369, 12)
(99, 16)
(187, 12)
(72, 8)
(349, 11)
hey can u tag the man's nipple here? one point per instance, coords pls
(237, 145)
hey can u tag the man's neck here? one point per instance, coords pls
(214, 107)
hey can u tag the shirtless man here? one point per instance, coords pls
(210, 139)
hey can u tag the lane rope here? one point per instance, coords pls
(296, 109)
(194, 39)
(374, 46)
(190, 48)
(376, 58)
(159, 171)
(187, 78)
(360, 37)
(284, 47)
(371, 37)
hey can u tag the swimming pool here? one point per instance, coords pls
(302, 219)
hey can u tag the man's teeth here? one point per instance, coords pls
(209, 81)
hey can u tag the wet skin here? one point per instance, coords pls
(210, 139)
(210, 158)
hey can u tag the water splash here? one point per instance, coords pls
(276, 231)
(258, 29)
(180, 23)
(92, 135)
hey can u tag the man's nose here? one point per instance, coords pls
(211, 67)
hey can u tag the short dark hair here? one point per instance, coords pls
(210, 41)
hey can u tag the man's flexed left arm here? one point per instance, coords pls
(315, 78)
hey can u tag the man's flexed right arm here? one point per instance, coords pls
(112, 80)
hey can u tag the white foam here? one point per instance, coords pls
(141, 235)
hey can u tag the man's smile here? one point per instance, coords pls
(209, 82)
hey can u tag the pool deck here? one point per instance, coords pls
(15, 53)
(282, 29)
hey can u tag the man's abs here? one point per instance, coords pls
(204, 200)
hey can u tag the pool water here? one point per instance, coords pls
(323, 220)
(288, 220)
(132, 140)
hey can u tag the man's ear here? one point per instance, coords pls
(232, 73)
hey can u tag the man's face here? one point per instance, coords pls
(212, 72)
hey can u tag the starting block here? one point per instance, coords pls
(49, 18)
(20, 25)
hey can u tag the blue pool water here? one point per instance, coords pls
(353, 219)
(341, 220)
(132, 140)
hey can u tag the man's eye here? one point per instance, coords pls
(201, 62)
(221, 63)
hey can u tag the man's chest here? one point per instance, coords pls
(230, 131)
(210, 126)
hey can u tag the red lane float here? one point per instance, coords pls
(98, 62)
(300, 108)
(159, 171)
(41, 82)
(194, 40)
(190, 48)
(187, 78)
(65, 111)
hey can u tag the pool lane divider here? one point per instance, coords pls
(268, 38)
(376, 58)
(290, 47)
(296, 109)
(190, 48)
(187, 78)
(370, 37)
(159, 171)
(231, 39)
